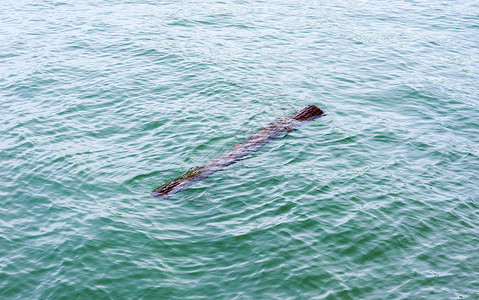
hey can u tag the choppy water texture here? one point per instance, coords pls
(102, 101)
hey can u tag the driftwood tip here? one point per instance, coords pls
(310, 112)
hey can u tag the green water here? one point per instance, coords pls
(102, 101)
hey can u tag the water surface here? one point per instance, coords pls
(102, 101)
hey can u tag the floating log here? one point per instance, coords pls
(256, 141)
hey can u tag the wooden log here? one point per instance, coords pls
(256, 141)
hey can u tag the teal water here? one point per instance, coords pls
(102, 101)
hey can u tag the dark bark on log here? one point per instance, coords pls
(256, 141)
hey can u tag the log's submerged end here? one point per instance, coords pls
(169, 188)
(164, 191)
